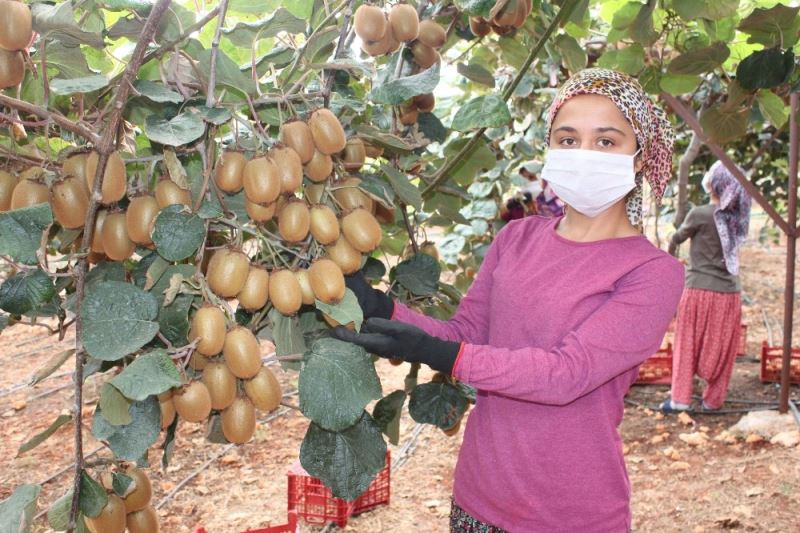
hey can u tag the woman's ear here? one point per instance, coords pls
(638, 164)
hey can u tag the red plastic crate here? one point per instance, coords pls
(772, 362)
(313, 501)
(291, 527)
(742, 340)
(657, 369)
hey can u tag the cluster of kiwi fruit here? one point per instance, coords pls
(16, 31)
(505, 17)
(132, 510)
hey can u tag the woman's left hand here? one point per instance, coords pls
(394, 339)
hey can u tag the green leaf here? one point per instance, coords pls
(485, 209)
(317, 44)
(214, 115)
(287, 336)
(92, 497)
(373, 269)
(68, 60)
(58, 22)
(345, 312)
(700, 60)
(399, 90)
(228, 73)
(772, 27)
(17, 511)
(629, 60)
(772, 107)
(678, 84)
(488, 111)
(384, 140)
(476, 73)
(765, 69)
(245, 34)
(475, 8)
(346, 461)
(173, 320)
(157, 92)
(21, 232)
(118, 319)
(572, 52)
(404, 189)
(39, 438)
(78, 85)
(338, 379)
(480, 159)
(130, 442)
(431, 127)
(387, 414)
(177, 131)
(722, 126)
(642, 30)
(25, 291)
(715, 10)
(58, 512)
(115, 406)
(301, 8)
(120, 483)
(625, 16)
(177, 232)
(419, 274)
(437, 403)
(149, 374)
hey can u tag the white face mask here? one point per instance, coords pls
(589, 181)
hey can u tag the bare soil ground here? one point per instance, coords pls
(733, 485)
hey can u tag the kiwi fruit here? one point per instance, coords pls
(354, 154)
(374, 151)
(386, 45)
(221, 385)
(241, 352)
(167, 412)
(262, 181)
(143, 521)
(193, 402)
(69, 202)
(408, 114)
(361, 230)
(115, 182)
(327, 131)
(324, 224)
(208, 325)
(111, 518)
(290, 168)
(255, 292)
(305, 287)
(384, 215)
(296, 134)
(7, 184)
(12, 68)
(319, 167)
(349, 196)
(229, 172)
(141, 217)
(138, 498)
(170, 193)
(432, 34)
(424, 55)
(259, 212)
(285, 292)
(198, 361)
(424, 102)
(117, 245)
(28, 193)
(264, 390)
(369, 23)
(97, 234)
(227, 272)
(404, 21)
(75, 165)
(327, 281)
(344, 255)
(16, 25)
(239, 421)
(313, 192)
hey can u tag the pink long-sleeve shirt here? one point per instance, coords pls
(554, 331)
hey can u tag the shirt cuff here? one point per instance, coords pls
(461, 350)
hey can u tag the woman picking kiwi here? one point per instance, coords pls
(542, 451)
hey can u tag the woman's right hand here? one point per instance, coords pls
(374, 303)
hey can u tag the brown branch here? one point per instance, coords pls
(104, 147)
(339, 49)
(212, 73)
(42, 113)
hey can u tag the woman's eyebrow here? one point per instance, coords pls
(609, 128)
(565, 128)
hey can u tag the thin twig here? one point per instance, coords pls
(339, 49)
(42, 113)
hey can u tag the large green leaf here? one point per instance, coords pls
(345, 461)
(177, 232)
(21, 232)
(118, 319)
(93, 496)
(387, 414)
(642, 30)
(245, 34)
(765, 69)
(345, 312)
(678, 84)
(383, 139)
(17, 511)
(26, 290)
(776, 26)
(437, 403)
(116, 407)
(431, 127)
(713, 10)
(772, 107)
(700, 60)
(78, 85)
(476, 73)
(58, 22)
(489, 111)
(42, 436)
(480, 159)
(131, 441)
(58, 512)
(177, 131)
(398, 91)
(157, 92)
(419, 274)
(173, 319)
(336, 383)
(149, 374)
(572, 53)
(228, 73)
(724, 126)
(401, 185)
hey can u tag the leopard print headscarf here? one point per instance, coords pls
(650, 124)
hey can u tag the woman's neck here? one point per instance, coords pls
(610, 224)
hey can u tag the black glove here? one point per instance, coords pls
(374, 303)
(393, 339)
